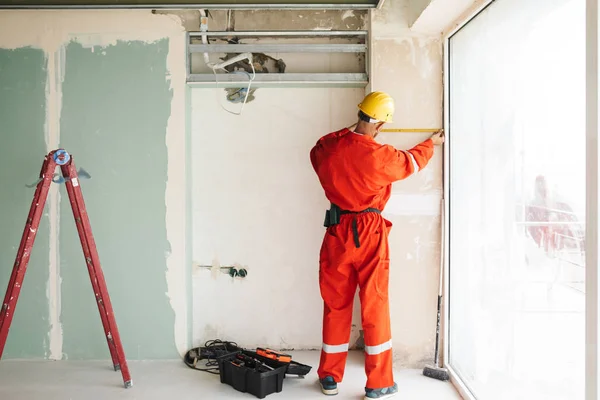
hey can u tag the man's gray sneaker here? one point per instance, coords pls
(328, 386)
(384, 393)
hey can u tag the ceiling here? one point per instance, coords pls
(196, 4)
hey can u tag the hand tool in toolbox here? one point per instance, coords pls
(273, 355)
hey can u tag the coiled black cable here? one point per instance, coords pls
(211, 350)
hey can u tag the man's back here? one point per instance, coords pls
(356, 172)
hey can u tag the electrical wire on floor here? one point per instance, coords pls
(211, 350)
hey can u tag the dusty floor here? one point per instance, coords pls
(166, 380)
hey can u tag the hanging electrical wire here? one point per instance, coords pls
(225, 63)
(231, 61)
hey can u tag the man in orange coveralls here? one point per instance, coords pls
(356, 174)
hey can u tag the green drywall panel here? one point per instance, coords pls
(22, 119)
(116, 103)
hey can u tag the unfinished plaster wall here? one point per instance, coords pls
(109, 86)
(257, 203)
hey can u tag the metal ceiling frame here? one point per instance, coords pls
(278, 48)
(279, 34)
(226, 80)
(31, 4)
(356, 80)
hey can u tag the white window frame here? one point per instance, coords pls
(592, 205)
(592, 316)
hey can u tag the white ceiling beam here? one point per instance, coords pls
(434, 16)
(189, 4)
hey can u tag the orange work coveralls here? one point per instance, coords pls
(356, 173)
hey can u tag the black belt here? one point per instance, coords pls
(332, 217)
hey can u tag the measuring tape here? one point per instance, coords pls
(410, 130)
(429, 130)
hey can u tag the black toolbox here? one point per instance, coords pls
(293, 367)
(260, 378)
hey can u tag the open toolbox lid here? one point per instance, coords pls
(293, 367)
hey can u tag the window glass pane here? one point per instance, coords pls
(517, 200)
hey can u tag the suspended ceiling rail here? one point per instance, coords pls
(334, 79)
(280, 34)
(192, 4)
(278, 48)
(281, 80)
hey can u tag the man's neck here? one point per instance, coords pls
(363, 129)
(362, 133)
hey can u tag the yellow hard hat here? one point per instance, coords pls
(378, 106)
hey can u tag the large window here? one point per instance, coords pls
(517, 201)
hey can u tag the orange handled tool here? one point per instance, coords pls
(273, 355)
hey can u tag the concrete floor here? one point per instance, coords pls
(172, 380)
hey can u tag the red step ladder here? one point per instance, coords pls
(61, 158)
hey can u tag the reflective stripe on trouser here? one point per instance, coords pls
(342, 268)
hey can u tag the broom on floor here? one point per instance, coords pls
(436, 371)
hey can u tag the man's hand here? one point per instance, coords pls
(438, 137)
